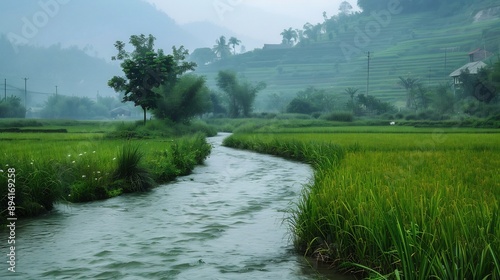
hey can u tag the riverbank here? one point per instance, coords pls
(86, 164)
(414, 204)
(223, 221)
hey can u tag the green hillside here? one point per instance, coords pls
(422, 45)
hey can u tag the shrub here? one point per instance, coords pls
(340, 117)
(411, 117)
(12, 108)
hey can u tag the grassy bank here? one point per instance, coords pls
(86, 164)
(408, 205)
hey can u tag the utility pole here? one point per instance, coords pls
(445, 59)
(430, 74)
(56, 90)
(5, 88)
(368, 76)
(25, 92)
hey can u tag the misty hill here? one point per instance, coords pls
(70, 69)
(70, 45)
(428, 43)
(94, 26)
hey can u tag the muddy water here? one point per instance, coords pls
(225, 221)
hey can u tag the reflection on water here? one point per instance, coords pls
(225, 221)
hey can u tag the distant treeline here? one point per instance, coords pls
(412, 6)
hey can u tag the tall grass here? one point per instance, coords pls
(85, 167)
(130, 174)
(396, 213)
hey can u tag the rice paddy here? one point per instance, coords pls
(419, 204)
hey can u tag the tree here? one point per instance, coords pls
(240, 94)
(311, 100)
(221, 48)
(301, 106)
(351, 92)
(442, 100)
(203, 56)
(73, 107)
(421, 95)
(289, 36)
(372, 105)
(312, 32)
(345, 8)
(479, 86)
(409, 84)
(187, 98)
(12, 108)
(495, 76)
(233, 41)
(145, 69)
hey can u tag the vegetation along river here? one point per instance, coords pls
(225, 221)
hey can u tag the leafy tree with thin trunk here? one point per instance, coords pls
(409, 84)
(351, 92)
(221, 48)
(345, 8)
(240, 94)
(145, 69)
(289, 36)
(233, 41)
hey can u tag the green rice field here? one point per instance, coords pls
(413, 204)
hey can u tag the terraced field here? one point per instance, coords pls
(420, 45)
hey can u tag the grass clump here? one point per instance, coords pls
(179, 157)
(130, 175)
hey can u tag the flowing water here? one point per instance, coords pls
(225, 221)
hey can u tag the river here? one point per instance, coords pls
(225, 221)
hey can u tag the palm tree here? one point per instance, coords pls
(221, 49)
(289, 35)
(351, 91)
(409, 84)
(233, 41)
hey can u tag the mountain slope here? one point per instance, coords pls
(421, 45)
(94, 27)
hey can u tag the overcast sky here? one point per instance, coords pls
(263, 20)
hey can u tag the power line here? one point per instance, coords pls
(14, 88)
